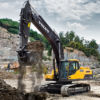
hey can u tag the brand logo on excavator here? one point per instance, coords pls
(43, 26)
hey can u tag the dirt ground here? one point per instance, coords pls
(7, 75)
(94, 94)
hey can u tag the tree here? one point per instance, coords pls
(77, 39)
(67, 37)
(62, 38)
(72, 44)
(77, 44)
(87, 43)
(93, 44)
(82, 40)
(71, 36)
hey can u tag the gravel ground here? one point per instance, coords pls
(94, 94)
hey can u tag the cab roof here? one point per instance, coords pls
(71, 60)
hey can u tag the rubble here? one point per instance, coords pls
(9, 93)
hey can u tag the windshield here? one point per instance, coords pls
(63, 69)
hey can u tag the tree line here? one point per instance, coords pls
(70, 39)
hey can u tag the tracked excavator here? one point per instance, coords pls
(67, 71)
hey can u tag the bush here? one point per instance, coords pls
(68, 45)
(80, 47)
(49, 58)
(92, 68)
(96, 53)
(99, 58)
(72, 44)
(71, 50)
(8, 23)
(77, 45)
(83, 48)
(49, 50)
(44, 58)
(14, 31)
(32, 39)
(98, 66)
(87, 52)
(64, 46)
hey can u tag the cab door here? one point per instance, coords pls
(73, 67)
(64, 70)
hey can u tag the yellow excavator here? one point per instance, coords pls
(67, 71)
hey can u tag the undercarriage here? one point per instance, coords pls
(64, 89)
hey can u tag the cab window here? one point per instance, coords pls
(73, 67)
(64, 69)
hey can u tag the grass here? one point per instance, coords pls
(15, 72)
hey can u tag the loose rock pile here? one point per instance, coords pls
(9, 93)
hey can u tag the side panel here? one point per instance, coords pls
(80, 74)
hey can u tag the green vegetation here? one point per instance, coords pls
(8, 23)
(99, 57)
(69, 39)
(92, 68)
(11, 26)
(15, 72)
(49, 50)
(46, 58)
(98, 67)
(71, 50)
(32, 39)
(49, 58)
(12, 30)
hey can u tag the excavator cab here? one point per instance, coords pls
(68, 68)
(70, 71)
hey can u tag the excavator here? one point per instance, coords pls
(67, 71)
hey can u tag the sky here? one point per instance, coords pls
(81, 16)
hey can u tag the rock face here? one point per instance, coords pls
(8, 46)
(76, 54)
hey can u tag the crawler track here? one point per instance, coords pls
(64, 89)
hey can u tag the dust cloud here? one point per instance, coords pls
(36, 47)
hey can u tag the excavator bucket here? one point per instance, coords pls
(32, 54)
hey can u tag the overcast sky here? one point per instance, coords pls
(81, 16)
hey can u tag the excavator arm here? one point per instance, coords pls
(27, 16)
